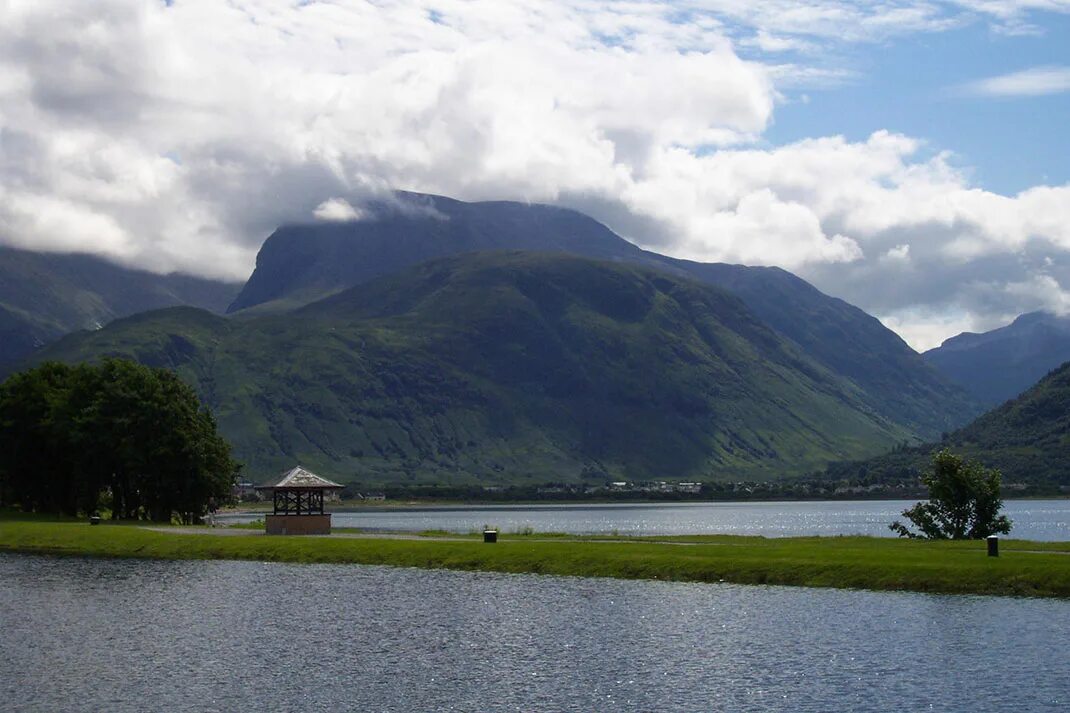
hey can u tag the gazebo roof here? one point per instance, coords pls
(299, 478)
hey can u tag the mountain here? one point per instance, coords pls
(1027, 438)
(894, 379)
(46, 295)
(999, 365)
(508, 367)
(302, 263)
(298, 264)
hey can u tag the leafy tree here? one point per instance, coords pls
(964, 502)
(120, 434)
(32, 426)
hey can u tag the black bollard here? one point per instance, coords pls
(490, 535)
(993, 545)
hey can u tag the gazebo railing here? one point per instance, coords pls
(298, 502)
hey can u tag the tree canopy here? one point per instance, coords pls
(119, 435)
(964, 502)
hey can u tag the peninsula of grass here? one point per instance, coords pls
(1023, 569)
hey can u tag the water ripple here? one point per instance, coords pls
(222, 636)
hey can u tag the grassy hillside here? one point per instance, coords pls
(1028, 438)
(509, 367)
(45, 295)
(301, 263)
(896, 380)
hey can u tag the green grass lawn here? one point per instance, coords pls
(1024, 568)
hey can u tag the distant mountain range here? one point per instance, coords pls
(44, 296)
(1027, 437)
(1001, 364)
(387, 346)
(509, 368)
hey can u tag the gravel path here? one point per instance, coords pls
(244, 532)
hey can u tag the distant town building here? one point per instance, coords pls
(244, 490)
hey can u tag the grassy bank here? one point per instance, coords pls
(1025, 568)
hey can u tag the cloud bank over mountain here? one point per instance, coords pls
(176, 136)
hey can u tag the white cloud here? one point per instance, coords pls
(927, 326)
(336, 210)
(178, 137)
(1036, 81)
(767, 42)
(1043, 292)
(778, 23)
(899, 254)
(1012, 16)
(205, 122)
(795, 76)
(924, 329)
(825, 200)
(840, 20)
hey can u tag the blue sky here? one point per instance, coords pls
(913, 84)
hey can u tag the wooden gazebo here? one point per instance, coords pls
(297, 496)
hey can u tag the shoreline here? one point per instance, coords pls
(1025, 568)
(410, 504)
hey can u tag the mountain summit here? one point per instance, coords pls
(998, 365)
(299, 264)
(302, 263)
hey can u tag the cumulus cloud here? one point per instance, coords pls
(163, 128)
(176, 136)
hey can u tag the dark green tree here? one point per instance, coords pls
(964, 502)
(120, 434)
(34, 471)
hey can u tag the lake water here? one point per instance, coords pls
(1033, 519)
(130, 635)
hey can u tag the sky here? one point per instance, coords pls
(908, 156)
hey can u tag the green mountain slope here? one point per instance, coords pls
(45, 295)
(895, 380)
(301, 263)
(509, 367)
(1028, 438)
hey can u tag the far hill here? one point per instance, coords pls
(1028, 438)
(46, 295)
(299, 264)
(509, 368)
(999, 365)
